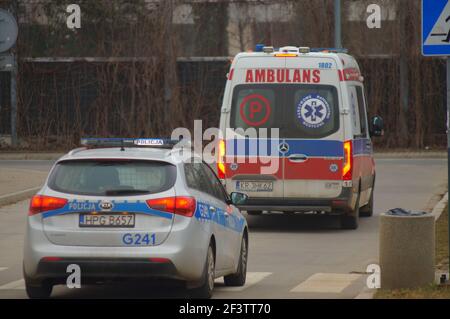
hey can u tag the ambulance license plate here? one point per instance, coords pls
(254, 186)
(107, 220)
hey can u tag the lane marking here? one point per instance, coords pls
(326, 283)
(14, 285)
(3, 268)
(252, 279)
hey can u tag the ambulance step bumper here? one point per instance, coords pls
(337, 205)
(284, 208)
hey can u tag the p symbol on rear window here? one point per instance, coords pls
(255, 107)
(255, 110)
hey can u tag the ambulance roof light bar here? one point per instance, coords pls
(123, 142)
(330, 50)
(268, 49)
(304, 50)
(259, 47)
(289, 49)
(263, 48)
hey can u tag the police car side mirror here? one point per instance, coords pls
(238, 198)
(377, 126)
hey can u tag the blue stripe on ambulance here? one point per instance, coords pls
(310, 148)
(119, 206)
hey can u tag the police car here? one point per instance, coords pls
(323, 150)
(134, 209)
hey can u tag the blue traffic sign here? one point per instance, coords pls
(436, 27)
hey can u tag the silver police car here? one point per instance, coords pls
(134, 209)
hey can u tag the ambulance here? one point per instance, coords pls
(312, 151)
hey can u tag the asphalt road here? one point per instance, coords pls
(290, 256)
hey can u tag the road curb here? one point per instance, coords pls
(366, 294)
(17, 196)
(410, 155)
(440, 207)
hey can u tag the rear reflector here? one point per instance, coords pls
(348, 161)
(51, 259)
(180, 205)
(40, 203)
(159, 260)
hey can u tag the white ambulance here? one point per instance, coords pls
(322, 160)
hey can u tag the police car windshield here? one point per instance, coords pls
(112, 177)
(299, 111)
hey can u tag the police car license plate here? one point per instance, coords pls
(107, 220)
(254, 186)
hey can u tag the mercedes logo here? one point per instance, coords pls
(284, 147)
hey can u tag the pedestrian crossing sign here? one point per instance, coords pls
(436, 27)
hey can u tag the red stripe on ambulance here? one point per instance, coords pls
(349, 74)
(253, 166)
(313, 169)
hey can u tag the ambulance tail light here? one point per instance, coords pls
(348, 161)
(221, 171)
(180, 205)
(40, 204)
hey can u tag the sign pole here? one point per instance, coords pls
(14, 141)
(436, 42)
(337, 24)
(448, 148)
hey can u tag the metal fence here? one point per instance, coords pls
(61, 101)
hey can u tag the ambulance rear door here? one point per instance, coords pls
(253, 164)
(312, 129)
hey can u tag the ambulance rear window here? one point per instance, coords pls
(254, 106)
(312, 111)
(298, 110)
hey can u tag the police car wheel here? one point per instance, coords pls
(238, 279)
(367, 210)
(351, 220)
(207, 287)
(42, 291)
(254, 212)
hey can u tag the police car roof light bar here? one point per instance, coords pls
(331, 50)
(123, 142)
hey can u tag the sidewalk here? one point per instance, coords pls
(18, 184)
(43, 156)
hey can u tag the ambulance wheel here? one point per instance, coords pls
(205, 291)
(367, 210)
(238, 279)
(351, 220)
(254, 212)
